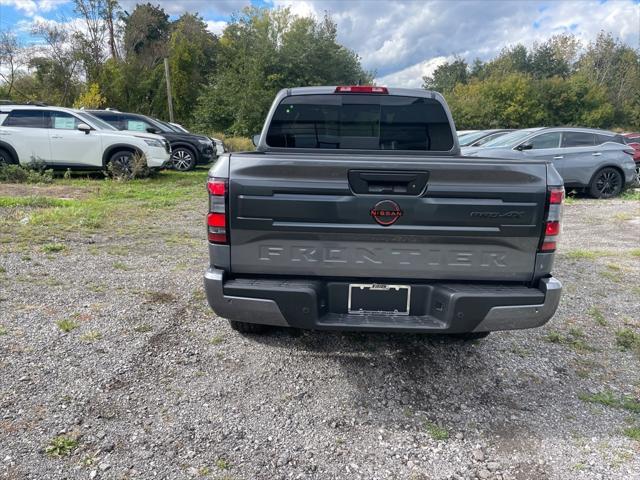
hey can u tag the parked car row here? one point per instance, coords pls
(91, 139)
(599, 162)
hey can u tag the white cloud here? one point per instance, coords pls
(411, 77)
(216, 26)
(31, 7)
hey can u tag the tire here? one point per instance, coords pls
(637, 180)
(469, 336)
(183, 159)
(6, 157)
(606, 183)
(121, 163)
(245, 327)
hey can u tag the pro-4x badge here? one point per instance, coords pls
(386, 212)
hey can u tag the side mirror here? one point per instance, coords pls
(152, 130)
(526, 146)
(256, 139)
(83, 127)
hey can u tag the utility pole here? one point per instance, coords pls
(169, 99)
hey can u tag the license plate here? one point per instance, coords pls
(367, 298)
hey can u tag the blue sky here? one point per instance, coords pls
(401, 40)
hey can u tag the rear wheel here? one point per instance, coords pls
(606, 183)
(245, 327)
(6, 157)
(183, 159)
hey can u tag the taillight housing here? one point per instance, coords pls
(217, 218)
(552, 225)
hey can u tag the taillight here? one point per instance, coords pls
(555, 197)
(361, 89)
(217, 218)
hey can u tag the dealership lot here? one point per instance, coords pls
(146, 381)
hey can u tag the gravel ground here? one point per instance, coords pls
(150, 384)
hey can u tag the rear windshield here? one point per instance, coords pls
(360, 122)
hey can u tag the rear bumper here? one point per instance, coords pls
(435, 307)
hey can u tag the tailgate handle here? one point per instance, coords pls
(389, 183)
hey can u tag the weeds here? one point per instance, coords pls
(223, 464)
(609, 399)
(91, 336)
(143, 328)
(217, 340)
(34, 172)
(598, 316)
(574, 339)
(3, 331)
(136, 168)
(633, 433)
(53, 247)
(436, 432)
(67, 325)
(160, 297)
(581, 254)
(61, 446)
(627, 339)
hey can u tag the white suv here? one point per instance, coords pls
(68, 138)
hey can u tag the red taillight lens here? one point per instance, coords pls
(217, 220)
(217, 187)
(362, 89)
(556, 195)
(217, 217)
(548, 247)
(553, 228)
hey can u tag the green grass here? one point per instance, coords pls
(143, 328)
(582, 254)
(91, 336)
(635, 252)
(436, 432)
(223, 464)
(633, 433)
(597, 316)
(67, 325)
(631, 194)
(119, 207)
(3, 331)
(627, 339)
(53, 247)
(609, 399)
(217, 340)
(574, 339)
(61, 446)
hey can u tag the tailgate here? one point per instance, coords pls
(394, 217)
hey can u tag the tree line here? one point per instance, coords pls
(109, 57)
(554, 83)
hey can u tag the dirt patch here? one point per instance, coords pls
(52, 191)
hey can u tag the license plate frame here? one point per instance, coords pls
(359, 293)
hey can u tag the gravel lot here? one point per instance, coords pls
(150, 384)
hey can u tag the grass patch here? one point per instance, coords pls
(627, 339)
(623, 216)
(612, 275)
(34, 201)
(217, 340)
(61, 446)
(2, 269)
(598, 316)
(635, 252)
(121, 266)
(3, 331)
(631, 194)
(573, 339)
(609, 399)
(33, 173)
(581, 254)
(53, 247)
(143, 328)
(159, 297)
(436, 432)
(223, 464)
(91, 336)
(67, 325)
(633, 433)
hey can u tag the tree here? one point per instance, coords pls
(92, 98)
(447, 76)
(146, 34)
(91, 37)
(12, 58)
(262, 51)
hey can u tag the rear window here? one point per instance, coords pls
(27, 118)
(577, 139)
(360, 122)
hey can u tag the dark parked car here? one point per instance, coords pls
(188, 149)
(477, 139)
(597, 161)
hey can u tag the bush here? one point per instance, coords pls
(235, 144)
(34, 172)
(138, 169)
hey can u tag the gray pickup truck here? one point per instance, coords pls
(357, 212)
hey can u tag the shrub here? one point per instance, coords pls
(34, 172)
(234, 144)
